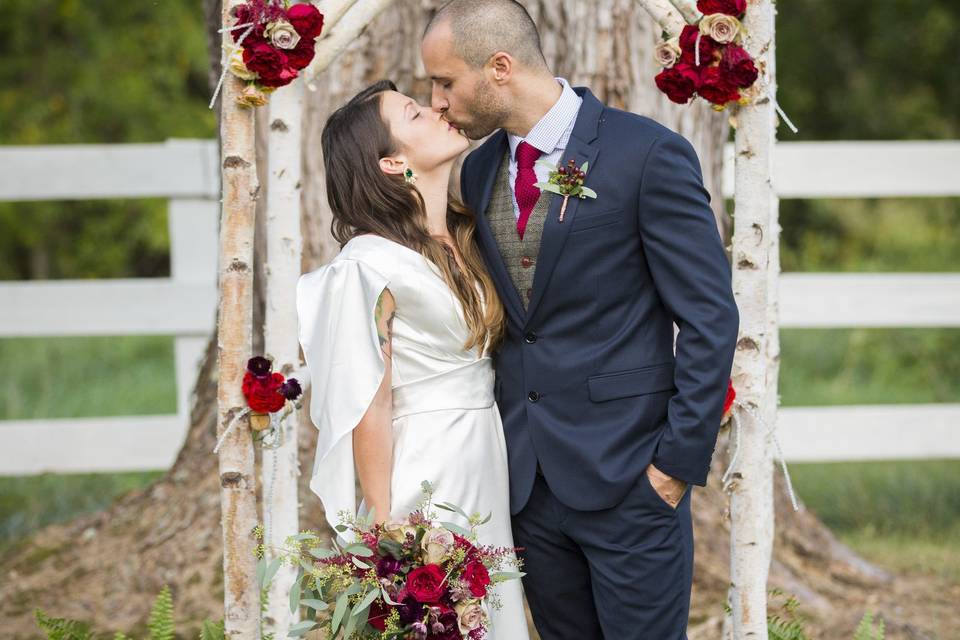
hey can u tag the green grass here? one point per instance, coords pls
(904, 515)
(31, 502)
(75, 377)
(869, 366)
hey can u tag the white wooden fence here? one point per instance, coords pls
(183, 305)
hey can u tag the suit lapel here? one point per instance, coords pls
(582, 149)
(488, 166)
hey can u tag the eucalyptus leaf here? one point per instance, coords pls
(366, 602)
(301, 628)
(502, 576)
(321, 553)
(547, 186)
(351, 624)
(272, 569)
(316, 605)
(358, 549)
(587, 191)
(387, 598)
(584, 167)
(341, 528)
(360, 563)
(457, 529)
(338, 612)
(546, 163)
(487, 519)
(295, 593)
(261, 570)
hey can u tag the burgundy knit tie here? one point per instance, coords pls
(526, 194)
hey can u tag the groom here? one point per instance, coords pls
(606, 427)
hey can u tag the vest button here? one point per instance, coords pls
(526, 261)
(533, 396)
(529, 293)
(530, 337)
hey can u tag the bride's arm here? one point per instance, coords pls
(373, 437)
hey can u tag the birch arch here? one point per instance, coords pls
(115, 561)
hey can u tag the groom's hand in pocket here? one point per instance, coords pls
(667, 487)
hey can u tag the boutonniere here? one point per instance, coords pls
(566, 181)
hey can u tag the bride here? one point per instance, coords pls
(397, 332)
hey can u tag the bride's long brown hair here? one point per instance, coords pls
(364, 199)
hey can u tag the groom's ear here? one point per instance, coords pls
(393, 166)
(501, 67)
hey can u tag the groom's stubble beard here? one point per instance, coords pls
(488, 110)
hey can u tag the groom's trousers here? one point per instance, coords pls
(622, 573)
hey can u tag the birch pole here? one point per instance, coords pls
(352, 23)
(665, 15)
(284, 246)
(238, 502)
(754, 284)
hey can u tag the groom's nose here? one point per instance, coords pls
(437, 101)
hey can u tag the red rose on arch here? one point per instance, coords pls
(272, 65)
(306, 19)
(301, 55)
(425, 583)
(715, 87)
(730, 7)
(688, 42)
(728, 401)
(477, 578)
(679, 82)
(263, 394)
(738, 66)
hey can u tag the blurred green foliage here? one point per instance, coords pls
(97, 72)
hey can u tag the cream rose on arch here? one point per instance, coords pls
(667, 52)
(721, 27)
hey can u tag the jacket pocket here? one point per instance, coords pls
(632, 382)
(588, 221)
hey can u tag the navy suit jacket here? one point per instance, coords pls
(587, 380)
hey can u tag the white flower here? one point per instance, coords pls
(436, 544)
(239, 68)
(469, 615)
(667, 52)
(720, 27)
(282, 34)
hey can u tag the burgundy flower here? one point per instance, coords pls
(477, 578)
(378, 613)
(259, 366)
(738, 66)
(715, 87)
(301, 55)
(291, 389)
(426, 583)
(729, 7)
(388, 566)
(263, 394)
(688, 41)
(679, 82)
(306, 19)
(271, 64)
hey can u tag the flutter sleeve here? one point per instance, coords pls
(338, 334)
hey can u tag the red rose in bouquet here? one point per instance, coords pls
(679, 82)
(688, 43)
(426, 583)
(477, 579)
(738, 66)
(730, 7)
(728, 402)
(715, 87)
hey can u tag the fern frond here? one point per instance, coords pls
(161, 616)
(212, 630)
(62, 628)
(867, 631)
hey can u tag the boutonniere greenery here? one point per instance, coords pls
(566, 181)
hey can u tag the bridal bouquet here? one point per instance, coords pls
(706, 59)
(412, 580)
(275, 40)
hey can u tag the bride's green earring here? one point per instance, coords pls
(409, 176)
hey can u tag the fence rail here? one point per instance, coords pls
(186, 173)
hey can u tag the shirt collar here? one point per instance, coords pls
(549, 131)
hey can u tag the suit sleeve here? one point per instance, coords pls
(692, 276)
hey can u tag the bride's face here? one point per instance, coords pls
(426, 141)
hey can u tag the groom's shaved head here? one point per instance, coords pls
(481, 28)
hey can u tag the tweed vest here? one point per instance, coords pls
(519, 256)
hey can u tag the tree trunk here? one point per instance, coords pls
(238, 496)
(280, 465)
(113, 563)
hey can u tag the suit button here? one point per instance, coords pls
(530, 337)
(526, 261)
(529, 293)
(533, 396)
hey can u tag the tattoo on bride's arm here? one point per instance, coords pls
(385, 328)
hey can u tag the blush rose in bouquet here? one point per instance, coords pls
(416, 579)
(707, 58)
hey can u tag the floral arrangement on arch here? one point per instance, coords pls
(415, 579)
(707, 58)
(277, 40)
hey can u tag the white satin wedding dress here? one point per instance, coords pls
(446, 425)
